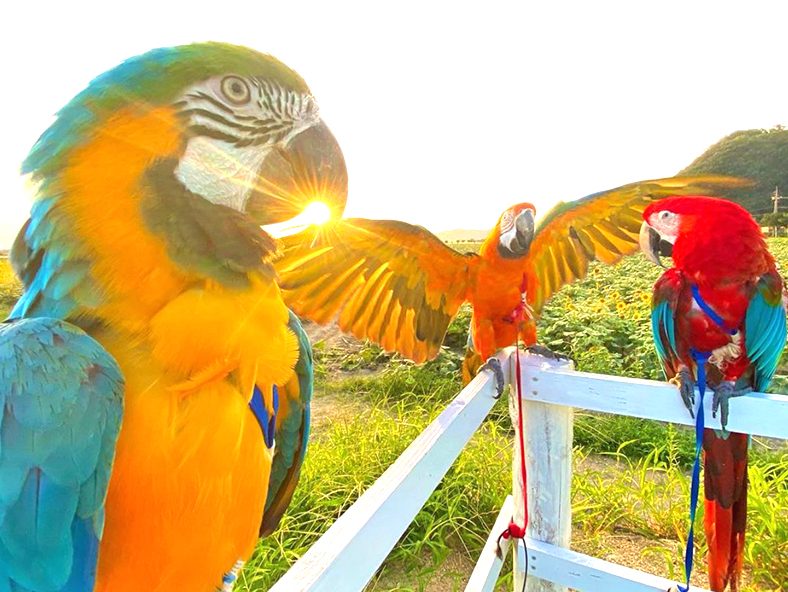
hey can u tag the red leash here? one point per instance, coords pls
(514, 531)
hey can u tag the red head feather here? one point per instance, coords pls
(713, 239)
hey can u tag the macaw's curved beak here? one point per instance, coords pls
(653, 245)
(309, 168)
(516, 242)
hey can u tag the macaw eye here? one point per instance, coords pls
(665, 215)
(236, 90)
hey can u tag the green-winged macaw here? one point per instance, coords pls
(722, 301)
(155, 386)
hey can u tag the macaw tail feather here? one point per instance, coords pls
(725, 480)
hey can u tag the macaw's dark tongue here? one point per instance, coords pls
(665, 249)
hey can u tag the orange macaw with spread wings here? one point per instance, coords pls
(400, 286)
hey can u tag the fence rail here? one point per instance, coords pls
(351, 551)
(347, 556)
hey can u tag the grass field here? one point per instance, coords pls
(10, 288)
(631, 476)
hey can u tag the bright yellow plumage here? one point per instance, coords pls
(190, 448)
(192, 351)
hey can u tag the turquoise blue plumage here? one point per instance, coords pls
(765, 329)
(292, 433)
(62, 399)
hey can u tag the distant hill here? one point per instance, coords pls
(757, 154)
(450, 236)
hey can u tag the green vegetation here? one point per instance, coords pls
(760, 155)
(10, 288)
(631, 476)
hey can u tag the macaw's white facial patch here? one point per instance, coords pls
(507, 221)
(222, 173)
(516, 233)
(666, 223)
(508, 236)
(233, 123)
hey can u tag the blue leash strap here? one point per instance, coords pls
(710, 312)
(700, 362)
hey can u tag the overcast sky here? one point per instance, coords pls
(447, 112)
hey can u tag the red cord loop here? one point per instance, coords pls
(514, 531)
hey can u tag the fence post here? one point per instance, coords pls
(548, 453)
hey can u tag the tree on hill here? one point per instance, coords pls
(776, 222)
(760, 155)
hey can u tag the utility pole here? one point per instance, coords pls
(776, 197)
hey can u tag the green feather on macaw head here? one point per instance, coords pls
(290, 156)
(156, 77)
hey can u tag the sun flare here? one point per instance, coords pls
(316, 213)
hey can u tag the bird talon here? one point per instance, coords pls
(684, 382)
(494, 364)
(723, 392)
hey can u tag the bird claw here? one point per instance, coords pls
(684, 382)
(494, 364)
(723, 392)
(545, 352)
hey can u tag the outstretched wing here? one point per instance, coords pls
(61, 394)
(393, 283)
(292, 433)
(765, 328)
(603, 226)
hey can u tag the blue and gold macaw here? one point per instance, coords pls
(156, 388)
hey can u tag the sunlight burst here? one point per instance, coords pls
(316, 213)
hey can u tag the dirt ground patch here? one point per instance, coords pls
(451, 575)
(330, 408)
(659, 557)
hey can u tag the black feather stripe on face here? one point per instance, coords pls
(270, 115)
(210, 239)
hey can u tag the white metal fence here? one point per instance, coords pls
(347, 556)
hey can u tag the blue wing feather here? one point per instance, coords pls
(292, 434)
(765, 329)
(61, 394)
(663, 318)
(663, 328)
